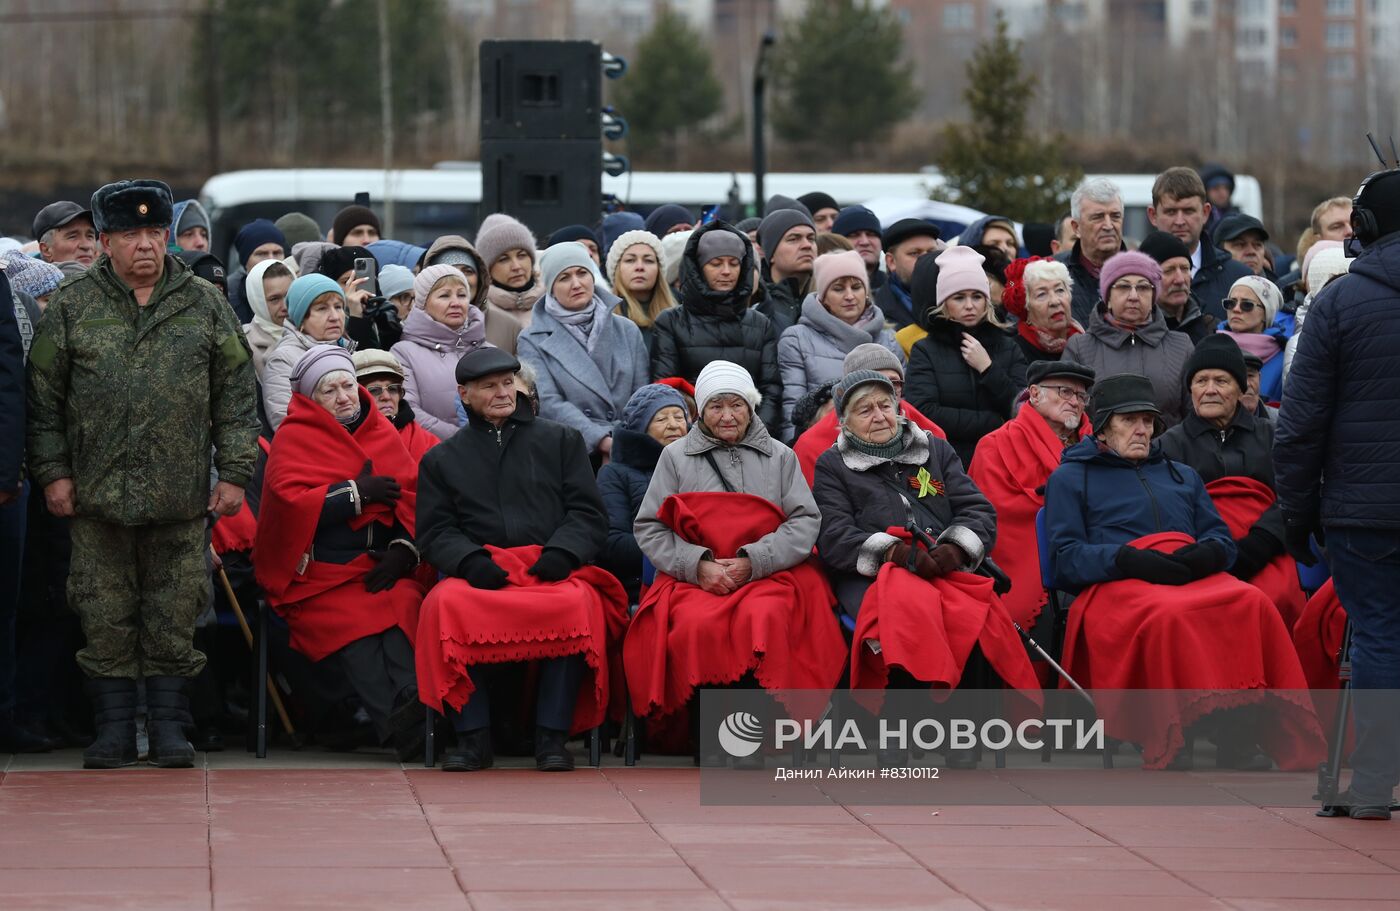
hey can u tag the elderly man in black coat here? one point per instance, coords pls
(509, 480)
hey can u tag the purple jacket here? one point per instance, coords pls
(429, 352)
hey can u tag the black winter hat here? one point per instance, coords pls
(817, 200)
(1123, 393)
(350, 218)
(1218, 352)
(906, 228)
(923, 288)
(335, 263)
(1041, 371)
(1037, 236)
(1162, 246)
(207, 266)
(1380, 195)
(485, 361)
(1232, 226)
(129, 204)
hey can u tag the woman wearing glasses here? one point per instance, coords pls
(1128, 332)
(1037, 293)
(382, 376)
(1249, 315)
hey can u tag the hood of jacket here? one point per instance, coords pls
(421, 329)
(972, 234)
(1152, 334)
(635, 450)
(1380, 262)
(458, 242)
(698, 297)
(819, 319)
(388, 251)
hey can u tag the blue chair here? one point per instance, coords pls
(1311, 578)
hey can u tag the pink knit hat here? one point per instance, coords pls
(960, 269)
(1130, 262)
(424, 281)
(830, 266)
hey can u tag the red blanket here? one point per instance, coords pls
(417, 440)
(1241, 501)
(1318, 637)
(238, 531)
(525, 621)
(1218, 642)
(818, 438)
(929, 629)
(326, 604)
(1010, 467)
(782, 628)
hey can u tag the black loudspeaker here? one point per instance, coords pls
(541, 89)
(547, 184)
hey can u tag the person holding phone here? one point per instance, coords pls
(356, 271)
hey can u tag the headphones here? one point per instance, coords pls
(1364, 223)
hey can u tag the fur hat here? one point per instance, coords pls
(500, 233)
(129, 204)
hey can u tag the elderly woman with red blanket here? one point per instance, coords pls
(334, 549)
(919, 612)
(1136, 536)
(729, 523)
(1012, 464)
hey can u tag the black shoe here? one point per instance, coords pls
(407, 726)
(1357, 808)
(16, 738)
(114, 711)
(208, 740)
(168, 710)
(472, 752)
(1242, 759)
(960, 759)
(551, 755)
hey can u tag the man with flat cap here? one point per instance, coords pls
(65, 233)
(903, 242)
(138, 372)
(1012, 464)
(509, 513)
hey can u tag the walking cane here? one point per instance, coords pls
(248, 637)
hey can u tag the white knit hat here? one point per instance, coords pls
(672, 247)
(725, 378)
(1326, 265)
(631, 239)
(1266, 291)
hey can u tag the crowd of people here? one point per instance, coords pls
(501, 480)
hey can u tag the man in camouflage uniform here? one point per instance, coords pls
(137, 367)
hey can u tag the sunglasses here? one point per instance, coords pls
(1231, 303)
(377, 391)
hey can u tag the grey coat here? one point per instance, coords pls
(1153, 351)
(757, 465)
(277, 372)
(583, 391)
(811, 353)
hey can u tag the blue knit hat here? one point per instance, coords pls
(646, 402)
(306, 289)
(256, 233)
(856, 218)
(617, 224)
(31, 276)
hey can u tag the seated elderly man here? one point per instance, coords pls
(1136, 536)
(729, 523)
(820, 437)
(1012, 464)
(334, 549)
(382, 376)
(508, 510)
(1232, 451)
(884, 483)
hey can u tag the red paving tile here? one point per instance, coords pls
(346, 838)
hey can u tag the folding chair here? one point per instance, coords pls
(629, 718)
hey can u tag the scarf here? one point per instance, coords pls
(585, 325)
(900, 293)
(1260, 344)
(1043, 340)
(885, 451)
(1112, 320)
(1091, 267)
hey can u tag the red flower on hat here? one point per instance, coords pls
(1013, 294)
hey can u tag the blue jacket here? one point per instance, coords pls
(1337, 445)
(1097, 501)
(623, 484)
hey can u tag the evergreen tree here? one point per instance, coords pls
(839, 77)
(670, 88)
(993, 162)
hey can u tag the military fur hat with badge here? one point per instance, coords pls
(130, 204)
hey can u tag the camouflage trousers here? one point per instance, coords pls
(139, 590)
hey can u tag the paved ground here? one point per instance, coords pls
(348, 832)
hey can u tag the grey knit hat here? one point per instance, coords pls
(871, 356)
(713, 244)
(500, 233)
(778, 223)
(841, 393)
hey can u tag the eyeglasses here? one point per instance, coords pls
(1142, 288)
(1231, 303)
(377, 391)
(898, 386)
(1069, 392)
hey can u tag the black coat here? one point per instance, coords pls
(968, 405)
(1244, 450)
(719, 325)
(1084, 285)
(529, 482)
(623, 483)
(895, 301)
(11, 390)
(1337, 444)
(1211, 283)
(859, 504)
(782, 303)
(1195, 323)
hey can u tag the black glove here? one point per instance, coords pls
(1255, 549)
(1201, 559)
(394, 564)
(481, 571)
(1150, 566)
(1297, 529)
(554, 565)
(377, 488)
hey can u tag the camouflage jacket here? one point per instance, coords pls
(128, 403)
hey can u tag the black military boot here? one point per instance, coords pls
(551, 755)
(168, 713)
(472, 752)
(114, 711)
